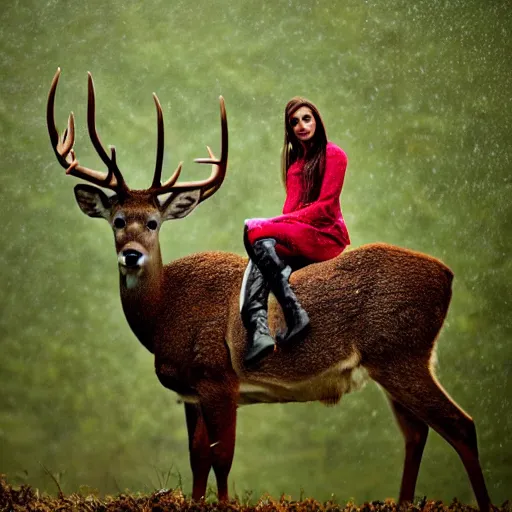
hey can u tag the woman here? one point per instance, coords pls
(311, 228)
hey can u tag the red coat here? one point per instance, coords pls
(315, 231)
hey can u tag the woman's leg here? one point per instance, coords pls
(253, 311)
(277, 273)
(289, 246)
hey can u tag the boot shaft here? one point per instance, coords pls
(277, 273)
(253, 294)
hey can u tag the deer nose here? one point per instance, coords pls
(131, 258)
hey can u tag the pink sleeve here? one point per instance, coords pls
(334, 176)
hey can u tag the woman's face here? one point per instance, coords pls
(303, 124)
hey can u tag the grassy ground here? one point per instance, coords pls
(14, 498)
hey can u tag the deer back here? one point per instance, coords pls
(367, 306)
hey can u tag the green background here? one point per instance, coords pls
(418, 93)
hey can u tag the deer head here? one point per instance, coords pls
(134, 215)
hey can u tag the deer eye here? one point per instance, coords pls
(152, 224)
(119, 223)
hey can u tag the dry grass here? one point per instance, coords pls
(25, 498)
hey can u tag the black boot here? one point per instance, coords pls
(253, 310)
(277, 274)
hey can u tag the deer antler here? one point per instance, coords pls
(219, 166)
(63, 146)
(156, 187)
(113, 179)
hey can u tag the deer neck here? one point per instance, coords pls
(141, 299)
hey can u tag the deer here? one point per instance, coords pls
(376, 312)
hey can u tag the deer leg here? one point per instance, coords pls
(199, 450)
(418, 390)
(415, 432)
(219, 411)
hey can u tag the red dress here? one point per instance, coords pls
(315, 231)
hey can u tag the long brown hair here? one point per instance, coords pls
(314, 155)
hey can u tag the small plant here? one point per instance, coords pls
(165, 477)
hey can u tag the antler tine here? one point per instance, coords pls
(68, 137)
(212, 184)
(156, 187)
(50, 114)
(220, 166)
(63, 148)
(111, 164)
(160, 144)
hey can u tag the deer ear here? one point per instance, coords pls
(93, 201)
(180, 204)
